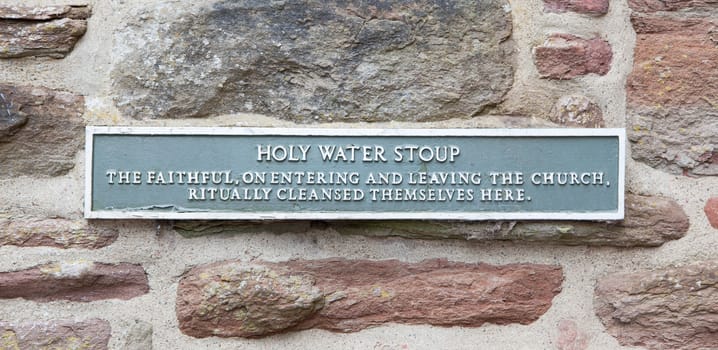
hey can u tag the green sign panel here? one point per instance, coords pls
(337, 174)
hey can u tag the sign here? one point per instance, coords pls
(348, 174)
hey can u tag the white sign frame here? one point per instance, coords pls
(91, 131)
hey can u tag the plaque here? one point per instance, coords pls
(354, 174)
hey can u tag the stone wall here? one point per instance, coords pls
(648, 281)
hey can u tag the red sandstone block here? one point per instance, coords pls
(675, 62)
(711, 210)
(566, 56)
(75, 281)
(671, 93)
(648, 6)
(586, 7)
(238, 299)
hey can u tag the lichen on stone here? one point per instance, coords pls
(260, 299)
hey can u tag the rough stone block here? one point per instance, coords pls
(571, 336)
(40, 130)
(75, 281)
(649, 6)
(586, 7)
(43, 13)
(236, 299)
(41, 31)
(566, 56)
(59, 233)
(578, 112)
(672, 94)
(309, 60)
(650, 221)
(198, 228)
(669, 308)
(137, 335)
(93, 334)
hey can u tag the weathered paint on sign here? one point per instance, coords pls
(458, 174)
